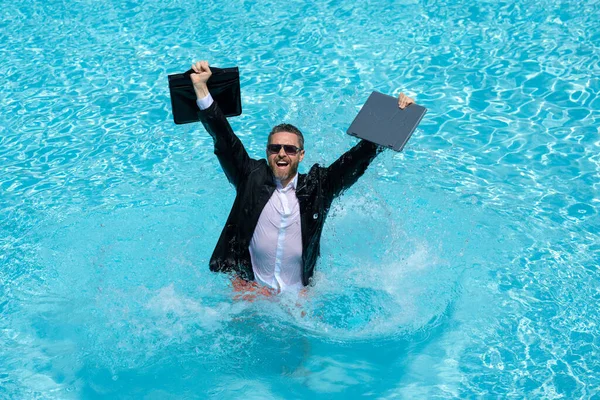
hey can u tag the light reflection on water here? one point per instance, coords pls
(465, 266)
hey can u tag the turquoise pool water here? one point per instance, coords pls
(466, 266)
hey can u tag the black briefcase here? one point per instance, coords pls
(223, 85)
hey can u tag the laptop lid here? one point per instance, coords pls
(381, 121)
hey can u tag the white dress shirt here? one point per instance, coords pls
(276, 245)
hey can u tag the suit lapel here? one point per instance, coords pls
(266, 191)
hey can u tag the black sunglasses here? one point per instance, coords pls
(289, 149)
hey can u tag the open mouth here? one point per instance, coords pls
(282, 164)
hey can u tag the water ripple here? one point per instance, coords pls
(473, 255)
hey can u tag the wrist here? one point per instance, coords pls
(201, 90)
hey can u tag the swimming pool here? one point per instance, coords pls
(466, 266)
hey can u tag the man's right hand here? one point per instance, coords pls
(250, 290)
(199, 78)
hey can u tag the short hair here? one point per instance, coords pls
(288, 128)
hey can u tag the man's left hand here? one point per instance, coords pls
(404, 101)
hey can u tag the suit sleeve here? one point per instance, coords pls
(346, 170)
(230, 151)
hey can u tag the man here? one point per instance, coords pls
(272, 235)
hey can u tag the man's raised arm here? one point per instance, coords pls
(346, 170)
(229, 149)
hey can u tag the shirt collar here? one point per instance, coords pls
(293, 183)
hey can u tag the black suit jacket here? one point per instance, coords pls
(255, 183)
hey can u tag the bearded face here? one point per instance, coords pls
(284, 154)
